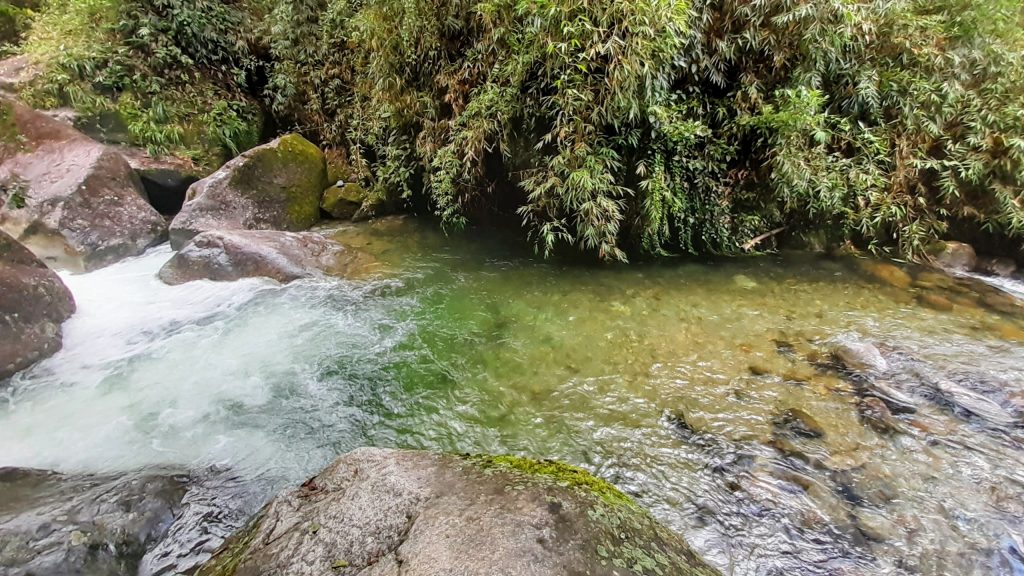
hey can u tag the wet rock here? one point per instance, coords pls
(935, 301)
(935, 279)
(276, 186)
(887, 273)
(874, 412)
(800, 423)
(875, 525)
(897, 401)
(1003, 302)
(996, 266)
(343, 200)
(68, 198)
(954, 256)
(973, 402)
(90, 525)
(860, 357)
(227, 256)
(34, 302)
(374, 207)
(17, 72)
(388, 512)
(743, 281)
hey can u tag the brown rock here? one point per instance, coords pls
(67, 197)
(33, 305)
(876, 414)
(390, 512)
(887, 273)
(935, 301)
(230, 255)
(276, 186)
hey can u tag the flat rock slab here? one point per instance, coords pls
(276, 186)
(72, 525)
(229, 255)
(381, 512)
(68, 198)
(34, 302)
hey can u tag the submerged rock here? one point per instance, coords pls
(887, 273)
(935, 301)
(284, 256)
(876, 414)
(67, 197)
(34, 302)
(973, 402)
(860, 357)
(98, 526)
(388, 512)
(276, 186)
(799, 422)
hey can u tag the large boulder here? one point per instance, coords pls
(276, 186)
(73, 525)
(33, 305)
(228, 255)
(67, 197)
(381, 512)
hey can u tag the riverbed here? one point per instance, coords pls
(673, 380)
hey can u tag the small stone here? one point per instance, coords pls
(875, 526)
(860, 357)
(935, 302)
(876, 414)
(799, 422)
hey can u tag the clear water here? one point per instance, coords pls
(461, 344)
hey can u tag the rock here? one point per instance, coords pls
(875, 526)
(34, 302)
(16, 72)
(389, 512)
(954, 256)
(887, 273)
(799, 422)
(996, 266)
(743, 281)
(860, 357)
(276, 186)
(935, 301)
(874, 412)
(97, 525)
(67, 197)
(974, 403)
(1003, 302)
(226, 256)
(343, 200)
(896, 401)
(373, 207)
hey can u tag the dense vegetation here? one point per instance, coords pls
(618, 126)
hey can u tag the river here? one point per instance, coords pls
(672, 380)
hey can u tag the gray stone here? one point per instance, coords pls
(388, 513)
(228, 255)
(996, 266)
(34, 302)
(860, 357)
(954, 256)
(68, 198)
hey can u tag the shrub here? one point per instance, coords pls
(654, 126)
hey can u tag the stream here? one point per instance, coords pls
(672, 380)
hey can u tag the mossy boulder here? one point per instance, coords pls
(388, 512)
(276, 186)
(69, 199)
(953, 256)
(343, 200)
(34, 302)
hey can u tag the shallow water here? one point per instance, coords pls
(668, 380)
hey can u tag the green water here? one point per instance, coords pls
(670, 380)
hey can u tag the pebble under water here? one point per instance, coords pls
(706, 391)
